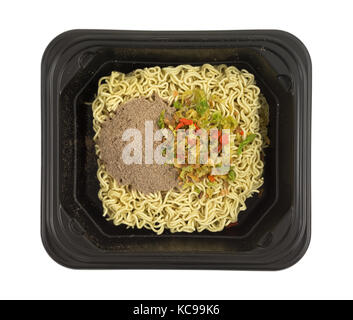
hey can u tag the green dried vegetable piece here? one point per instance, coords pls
(209, 192)
(229, 123)
(197, 190)
(216, 118)
(250, 138)
(184, 171)
(231, 175)
(177, 105)
(188, 184)
(161, 120)
(202, 107)
(211, 184)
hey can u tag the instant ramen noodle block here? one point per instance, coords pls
(200, 204)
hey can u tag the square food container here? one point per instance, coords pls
(273, 233)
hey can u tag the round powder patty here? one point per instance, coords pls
(145, 178)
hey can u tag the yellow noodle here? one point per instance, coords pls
(183, 210)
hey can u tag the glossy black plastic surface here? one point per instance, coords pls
(273, 232)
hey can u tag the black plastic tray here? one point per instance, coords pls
(273, 233)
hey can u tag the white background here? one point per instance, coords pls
(26, 271)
